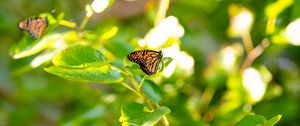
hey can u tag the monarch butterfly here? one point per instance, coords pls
(35, 26)
(148, 60)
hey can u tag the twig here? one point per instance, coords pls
(118, 69)
(253, 54)
(89, 13)
(130, 88)
(142, 81)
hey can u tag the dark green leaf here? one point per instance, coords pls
(152, 91)
(104, 74)
(80, 56)
(138, 115)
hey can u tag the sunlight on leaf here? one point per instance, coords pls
(273, 10)
(109, 34)
(46, 56)
(104, 74)
(26, 48)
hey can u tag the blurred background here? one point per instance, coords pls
(230, 58)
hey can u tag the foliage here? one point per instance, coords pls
(224, 63)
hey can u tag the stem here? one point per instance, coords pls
(254, 53)
(134, 81)
(162, 10)
(206, 98)
(118, 69)
(165, 121)
(129, 75)
(88, 15)
(84, 22)
(142, 81)
(134, 91)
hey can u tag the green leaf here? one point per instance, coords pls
(152, 91)
(80, 56)
(166, 61)
(103, 74)
(134, 68)
(254, 120)
(138, 115)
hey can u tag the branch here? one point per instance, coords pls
(254, 53)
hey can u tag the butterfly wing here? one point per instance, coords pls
(148, 60)
(35, 26)
(136, 56)
(152, 61)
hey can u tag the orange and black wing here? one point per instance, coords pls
(136, 56)
(148, 60)
(35, 26)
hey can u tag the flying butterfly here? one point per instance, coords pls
(35, 26)
(148, 60)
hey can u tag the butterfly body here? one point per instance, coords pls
(148, 60)
(35, 26)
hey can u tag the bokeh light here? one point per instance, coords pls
(254, 84)
(292, 32)
(168, 27)
(99, 5)
(241, 20)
